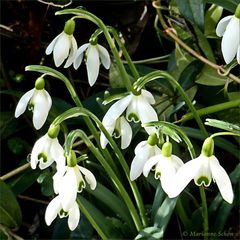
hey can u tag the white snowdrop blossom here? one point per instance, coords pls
(143, 152)
(137, 107)
(166, 166)
(45, 151)
(203, 169)
(229, 29)
(55, 208)
(95, 54)
(120, 128)
(64, 46)
(70, 182)
(37, 100)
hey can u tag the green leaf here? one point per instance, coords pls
(212, 17)
(210, 77)
(10, 211)
(230, 5)
(149, 233)
(193, 11)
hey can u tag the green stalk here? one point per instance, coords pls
(77, 111)
(211, 109)
(204, 212)
(112, 175)
(91, 220)
(80, 13)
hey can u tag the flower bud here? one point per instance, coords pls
(208, 147)
(53, 131)
(152, 139)
(69, 27)
(167, 149)
(237, 11)
(40, 83)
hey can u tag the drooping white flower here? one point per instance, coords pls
(70, 182)
(143, 152)
(166, 166)
(64, 46)
(55, 208)
(37, 100)
(45, 151)
(203, 169)
(118, 128)
(229, 29)
(137, 107)
(95, 54)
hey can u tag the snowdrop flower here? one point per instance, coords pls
(64, 46)
(72, 182)
(55, 208)
(47, 150)
(203, 169)
(95, 54)
(143, 152)
(137, 107)
(37, 100)
(229, 29)
(166, 166)
(118, 128)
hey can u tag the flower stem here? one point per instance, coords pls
(204, 212)
(80, 13)
(91, 220)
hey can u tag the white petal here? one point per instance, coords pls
(73, 217)
(150, 163)
(42, 104)
(221, 27)
(104, 56)
(91, 180)
(52, 210)
(61, 49)
(68, 189)
(37, 148)
(183, 176)
(138, 163)
(126, 133)
(72, 54)
(222, 180)
(116, 110)
(177, 162)
(148, 96)
(139, 147)
(230, 40)
(23, 103)
(57, 154)
(92, 64)
(57, 178)
(52, 44)
(238, 54)
(103, 139)
(79, 55)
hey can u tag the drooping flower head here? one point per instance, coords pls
(229, 29)
(64, 46)
(47, 150)
(143, 152)
(203, 169)
(37, 100)
(137, 107)
(55, 208)
(95, 54)
(166, 165)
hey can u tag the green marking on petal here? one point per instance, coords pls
(81, 186)
(30, 106)
(62, 213)
(157, 175)
(43, 156)
(203, 181)
(133, 117)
